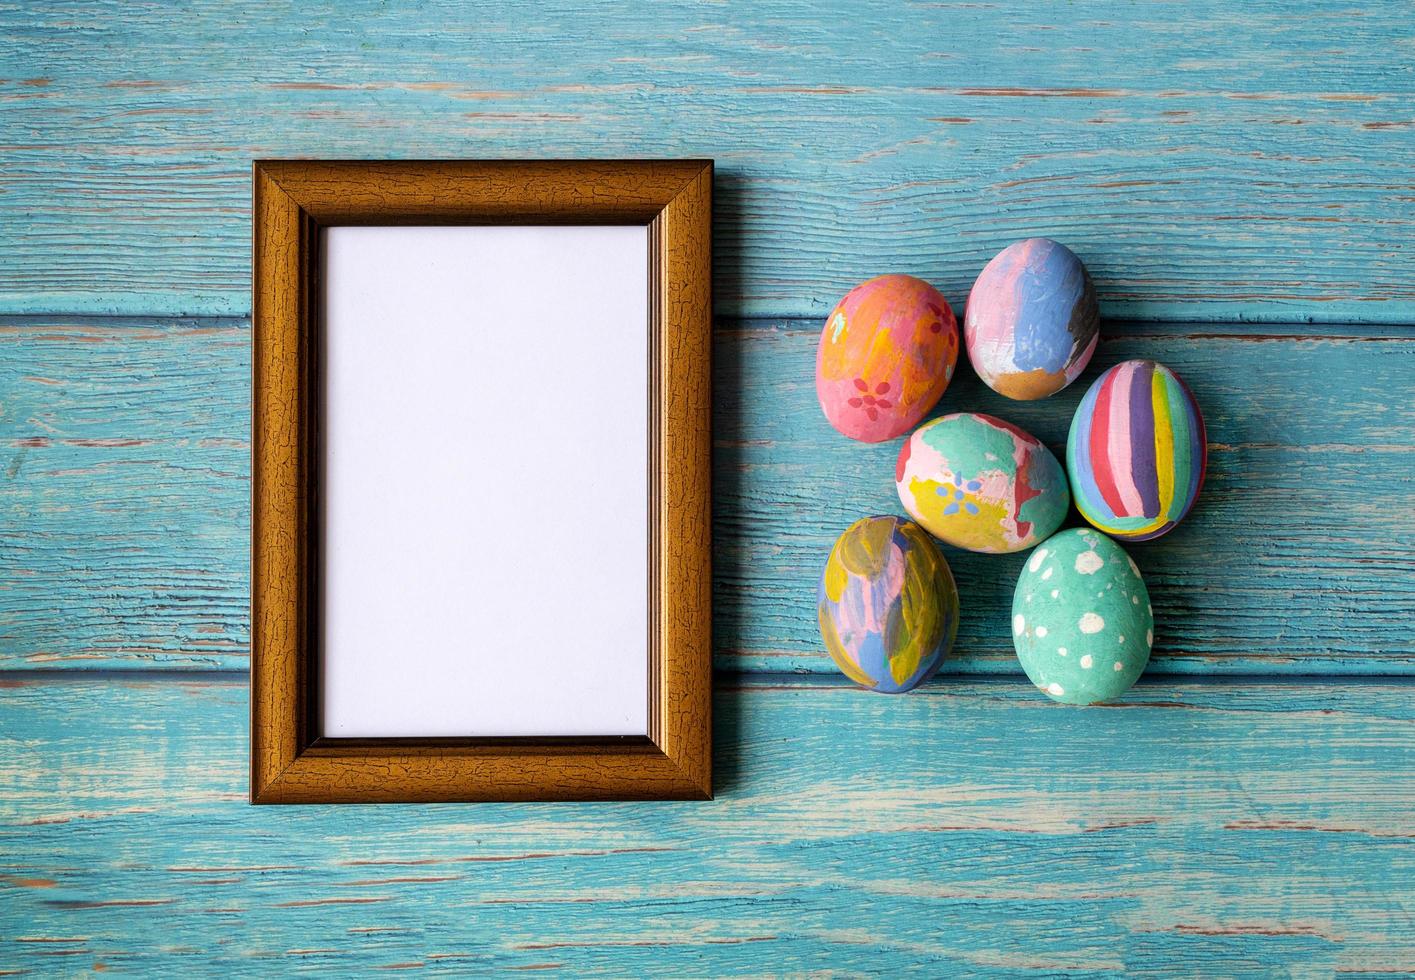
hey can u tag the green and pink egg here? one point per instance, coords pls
(980, 483)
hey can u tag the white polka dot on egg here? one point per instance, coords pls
(1088, 563)
(1085, 618)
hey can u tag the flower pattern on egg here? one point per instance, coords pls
(957, 492)
(871, 403)
(886, 353)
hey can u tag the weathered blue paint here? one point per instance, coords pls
(1299, 555)
(1207, 162)
(124, 493)
(1211, 162)
(125, 445)
(970, 826)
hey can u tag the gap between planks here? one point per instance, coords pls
(1271, 331)
(734, 680)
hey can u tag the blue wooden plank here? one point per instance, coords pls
(124, 521)
(1299, 556)
(969, 827)
(1209, 161)
(124, 502)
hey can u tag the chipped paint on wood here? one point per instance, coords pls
(1208, 824)
(1212, 164)
(125, 443)
(1206, 162)
(1298, 556)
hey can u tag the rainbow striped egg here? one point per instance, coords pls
(1137, 452)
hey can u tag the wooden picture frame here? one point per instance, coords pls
(292, 760)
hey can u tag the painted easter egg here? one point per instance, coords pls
(886, 354)
(1081, 618)
(1137, 451)
(887, 606)
(981, 483)
(1032, 321)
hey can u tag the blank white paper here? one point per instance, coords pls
(485, 481)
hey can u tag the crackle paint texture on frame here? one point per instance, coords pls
(980, 483)
(888, 607)
(1081, 618)
(1137, 451)
(1032, 322)
(886, 354)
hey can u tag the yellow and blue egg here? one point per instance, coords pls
(887, 604)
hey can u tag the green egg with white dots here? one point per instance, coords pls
(1081, 618)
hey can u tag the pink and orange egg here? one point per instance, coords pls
(887, 352)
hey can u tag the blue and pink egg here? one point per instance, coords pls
(1032, 322)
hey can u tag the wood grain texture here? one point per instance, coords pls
(124, 478)
(292, 759)
(1209, 161)
(1299, 555)
(1221, 829)
(125, 492)
(1212, 162)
